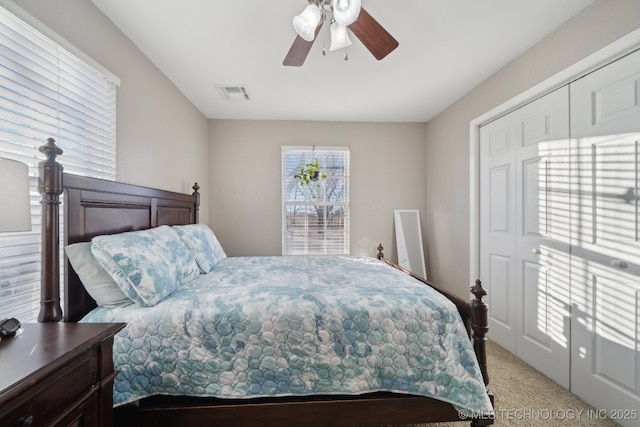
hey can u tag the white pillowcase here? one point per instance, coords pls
(95, 279)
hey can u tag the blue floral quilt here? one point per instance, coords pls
(281, 326)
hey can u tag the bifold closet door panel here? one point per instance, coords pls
(605, 265)
(498, 263)
(525, 231)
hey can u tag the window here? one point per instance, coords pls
(315, 217)
(46, 91)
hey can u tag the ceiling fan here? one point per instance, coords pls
(344, 14)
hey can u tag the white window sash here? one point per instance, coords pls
(316, 220)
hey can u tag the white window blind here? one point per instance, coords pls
(315, 217)
(45, 91)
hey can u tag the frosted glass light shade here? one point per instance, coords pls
(306, 23)
(339, 37)
(346, 12)
(15, 211)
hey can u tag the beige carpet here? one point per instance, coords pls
(524, 397)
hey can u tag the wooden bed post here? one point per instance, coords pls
(196, 197)
(480, 327)
(50, 187)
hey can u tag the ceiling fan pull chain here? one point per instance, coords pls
(346, 49)
(324, 43)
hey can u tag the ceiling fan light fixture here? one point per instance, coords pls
(346, 12)
(339, 37)
(306, 23)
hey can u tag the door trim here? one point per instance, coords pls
(619, 48)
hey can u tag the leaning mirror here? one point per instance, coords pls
(409, 241)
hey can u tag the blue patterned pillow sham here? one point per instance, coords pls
(147, 265)
(203, 244)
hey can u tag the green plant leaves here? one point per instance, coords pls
(311, 172)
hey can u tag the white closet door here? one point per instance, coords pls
(543, 206)
(499, 141)
(605, 118)
(525, 232)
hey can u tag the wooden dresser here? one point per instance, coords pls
(58, 374)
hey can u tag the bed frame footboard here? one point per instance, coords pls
(473, 314)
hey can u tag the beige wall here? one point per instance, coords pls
(163, 141)
(447, 224)
(387, 173)
(161, 138)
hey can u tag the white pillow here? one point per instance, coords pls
(94, 278)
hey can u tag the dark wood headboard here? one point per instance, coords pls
(93, 207)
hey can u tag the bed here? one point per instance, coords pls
(426, 346)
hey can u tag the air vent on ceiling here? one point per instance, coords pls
(234, 92)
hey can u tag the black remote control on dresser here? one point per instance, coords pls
(9, 327)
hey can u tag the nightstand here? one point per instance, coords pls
(58, 374)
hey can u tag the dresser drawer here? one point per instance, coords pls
(60, 392)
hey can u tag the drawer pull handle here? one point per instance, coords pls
(26, 422)
(618, 264)
(536, 251)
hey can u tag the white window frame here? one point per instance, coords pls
(47, 89)
(322, 197)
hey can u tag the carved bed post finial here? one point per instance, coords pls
(196, 196)
(50, 187)
(480, 327)
(380, 249)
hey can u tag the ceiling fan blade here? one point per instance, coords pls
(299, 50)
(375, 38)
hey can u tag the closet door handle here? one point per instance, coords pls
(618, 264)
(536, 251)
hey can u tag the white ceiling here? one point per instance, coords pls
(447, 47)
